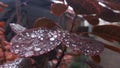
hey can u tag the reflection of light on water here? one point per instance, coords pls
(70, 8)
(56, 1)
(102, 22)
(102, 4)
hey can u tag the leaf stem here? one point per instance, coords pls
(18, 11)
(73, 22)
(60, 59)
(65, 48)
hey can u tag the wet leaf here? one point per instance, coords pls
(84, 6)
(45, 23)
(35, 42)
(83, 45)
(58, 9)
(17, 28)
(38, 41)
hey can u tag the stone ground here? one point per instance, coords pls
(110, 59)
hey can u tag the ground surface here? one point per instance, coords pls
(110, 59)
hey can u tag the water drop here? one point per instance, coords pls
(41, 52)
(41, 38)
(73, 45)
(17, 51)
(30, 53)
(19, 38)
(55, 36)
(97, 51)
(17, 46)
(48, 49)
(37, 49)
(33, 35)
(27, 34)
(88, 51)
(52, 39)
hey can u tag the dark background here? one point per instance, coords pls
(30, 11)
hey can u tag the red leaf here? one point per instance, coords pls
(58, 9)
(109, 15)
(114, 4)
(84, 6)
(113, 48)
(83, 45)
(93, 20)
(108, 32)
(35, 42)
(45, 23)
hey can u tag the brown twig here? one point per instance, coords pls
(65, 48)
(73, 22)
(18, 11)
(61, 57)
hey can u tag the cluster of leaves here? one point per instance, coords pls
(46, 37)
(92, 11)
